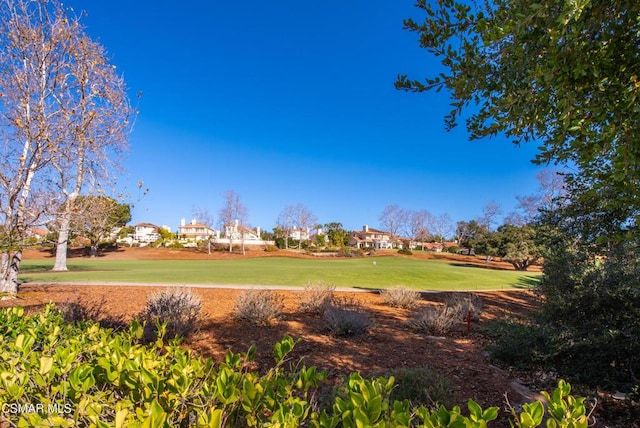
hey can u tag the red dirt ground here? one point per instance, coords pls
(390, 344)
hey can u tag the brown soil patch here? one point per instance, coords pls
(390, 344)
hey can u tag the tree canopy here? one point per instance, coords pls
(564, 74)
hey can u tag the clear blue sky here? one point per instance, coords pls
(290, 102)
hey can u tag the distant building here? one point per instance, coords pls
(240, 234)
(194, 231)
(145, 233)
(369, 237)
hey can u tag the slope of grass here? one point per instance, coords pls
(358, 272)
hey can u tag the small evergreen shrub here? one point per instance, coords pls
(454, 249)
(350, 252)
(405, 251)
(316, 297)
(421, 385)
(521, 344)
(436, 321)
(259, 307)
(345, 317)
(398, 297)
(177, 307)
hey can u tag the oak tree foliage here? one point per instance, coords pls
(562, 74)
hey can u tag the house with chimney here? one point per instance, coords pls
(369, 237)
(236, 232)
(194, 231)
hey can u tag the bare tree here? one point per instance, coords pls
(549, 196)
(285, 224)
(490, 212)
(441, 226)
(417, 225)
(393, 219)
(46, 65)
(553, 188)
(304, 220)
(96, 109)
(232, 216)
(207, 219)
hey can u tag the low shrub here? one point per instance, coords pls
(316, 297)
(399, 297)
(350, 252)
(405, 251)
(178, 308)
(271, 248)
(259, 307)
(521, 344)
(421, 385)
(345, 317)
(437, 321)
(461, 303)
(454, 249)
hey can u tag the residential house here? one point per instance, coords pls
(37, 233)
(194, 231)
(369, 237)
(299, 234)
(241, 234)
(145, 233)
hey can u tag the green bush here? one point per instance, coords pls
(259, 307)
(405, 251)
(591, 312)
(454, 249)
(420, 385)
(74, 375)
(519, 344)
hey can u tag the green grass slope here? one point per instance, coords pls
(380, 272)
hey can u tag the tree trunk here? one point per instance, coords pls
(521, 266)
(62, 245)
(9, 274)
(93, 252)
(64, 231)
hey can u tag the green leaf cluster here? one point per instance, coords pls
(562, 74)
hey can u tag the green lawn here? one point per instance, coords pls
(357, 272)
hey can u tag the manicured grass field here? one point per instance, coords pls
(381, 272)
